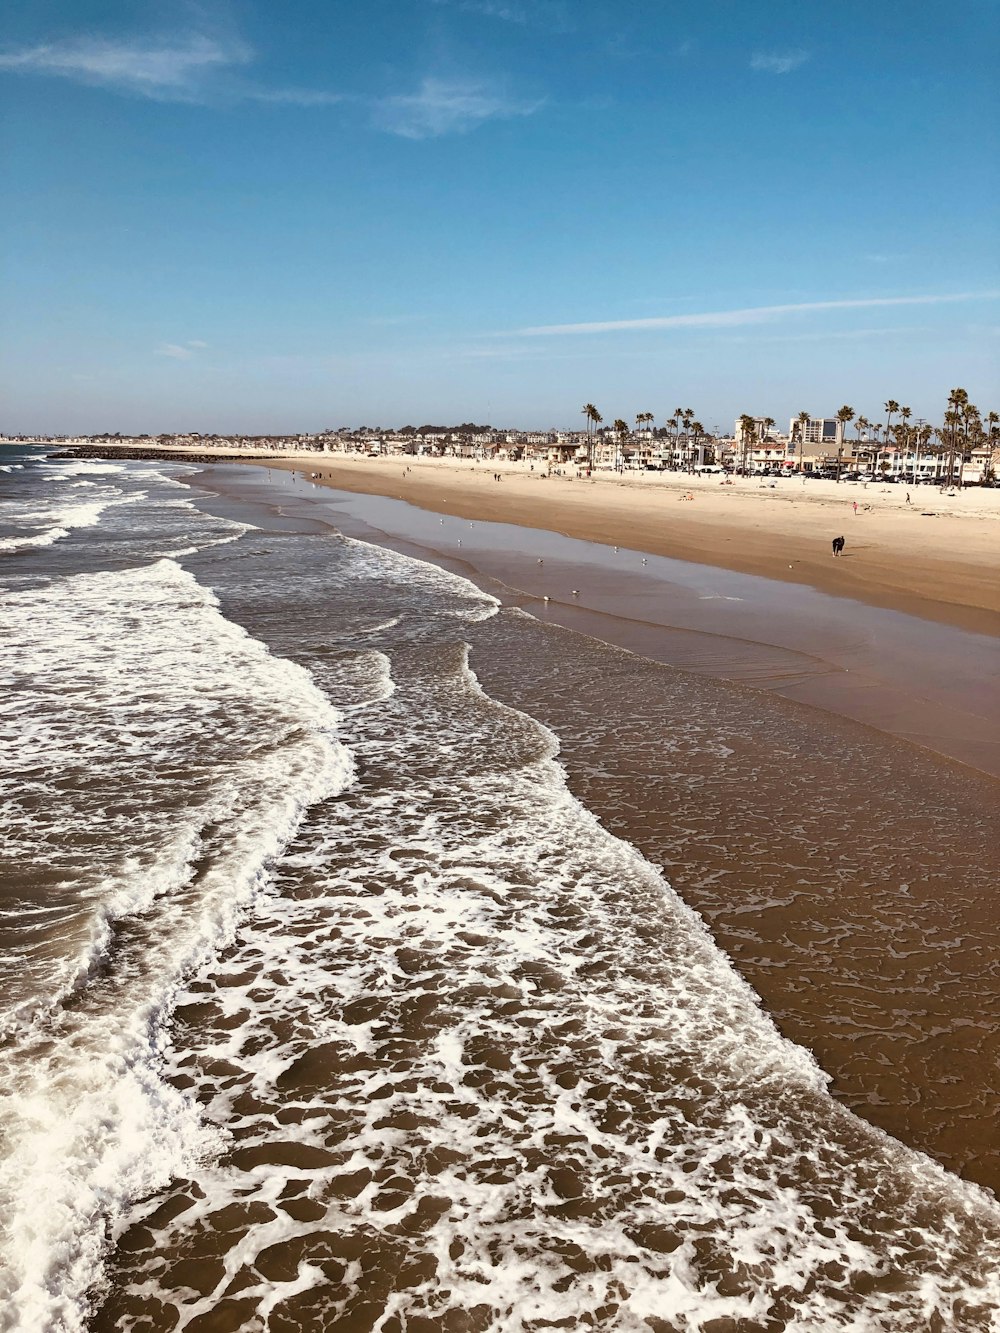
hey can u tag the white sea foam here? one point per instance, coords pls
(468, 1061)
(469, 602)
(480, 1043)
(61, 521)
(135, 683)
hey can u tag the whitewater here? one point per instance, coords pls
(326, 1003)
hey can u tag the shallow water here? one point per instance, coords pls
(357, 1016)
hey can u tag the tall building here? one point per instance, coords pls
(761, 427)
(818, 430)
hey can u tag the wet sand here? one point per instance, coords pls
(930, 682)
(848, 873)
(937, 557)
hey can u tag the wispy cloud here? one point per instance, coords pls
(447, 106)
(189, 68)
(828, 335)
(778, 62)
(181, 351)
(551, 14)
(166, 69)
(716, 319)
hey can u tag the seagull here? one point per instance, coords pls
(643, 559)
(545, 599)
(575, 593)
(541, 562)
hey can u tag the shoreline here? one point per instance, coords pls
(816, 850)
(928, 684)
(937, 558)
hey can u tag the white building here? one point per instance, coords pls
(819, 430)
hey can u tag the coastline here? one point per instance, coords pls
(944, 568)
(926, 682)
(937, 558)
(847, 874)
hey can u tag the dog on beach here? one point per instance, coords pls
(838, 545)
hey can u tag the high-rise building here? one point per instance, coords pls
(818, 430)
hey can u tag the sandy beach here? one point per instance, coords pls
(932, 555)
(937, 557)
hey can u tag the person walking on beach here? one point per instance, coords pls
(855, 508)
(838, 545)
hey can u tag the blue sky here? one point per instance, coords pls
(259, 216)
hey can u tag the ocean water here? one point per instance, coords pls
(326, 1003)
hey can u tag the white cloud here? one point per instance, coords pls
(190, 68)
(167, 69)
(716, 319)
(181, 351)
(778, 62)
(446, 106)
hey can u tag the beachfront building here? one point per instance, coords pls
(766, 448)
(822, 431)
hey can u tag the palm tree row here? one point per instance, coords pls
(962, 431)
(683, 419)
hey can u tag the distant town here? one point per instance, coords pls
(963, 451)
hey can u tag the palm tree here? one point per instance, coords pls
(689, 431)
(891, 407)
(862, 429)
(594, 418)
(905, 414)
(845, 415)
(802, 421)
(972, 429)
(672, 422)
(958, 400)
(766, 424)
(645, 419)
(620, 429)
(678, 419)
(748, 428)
(990, 437)
(697, 430)
(875, 430)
